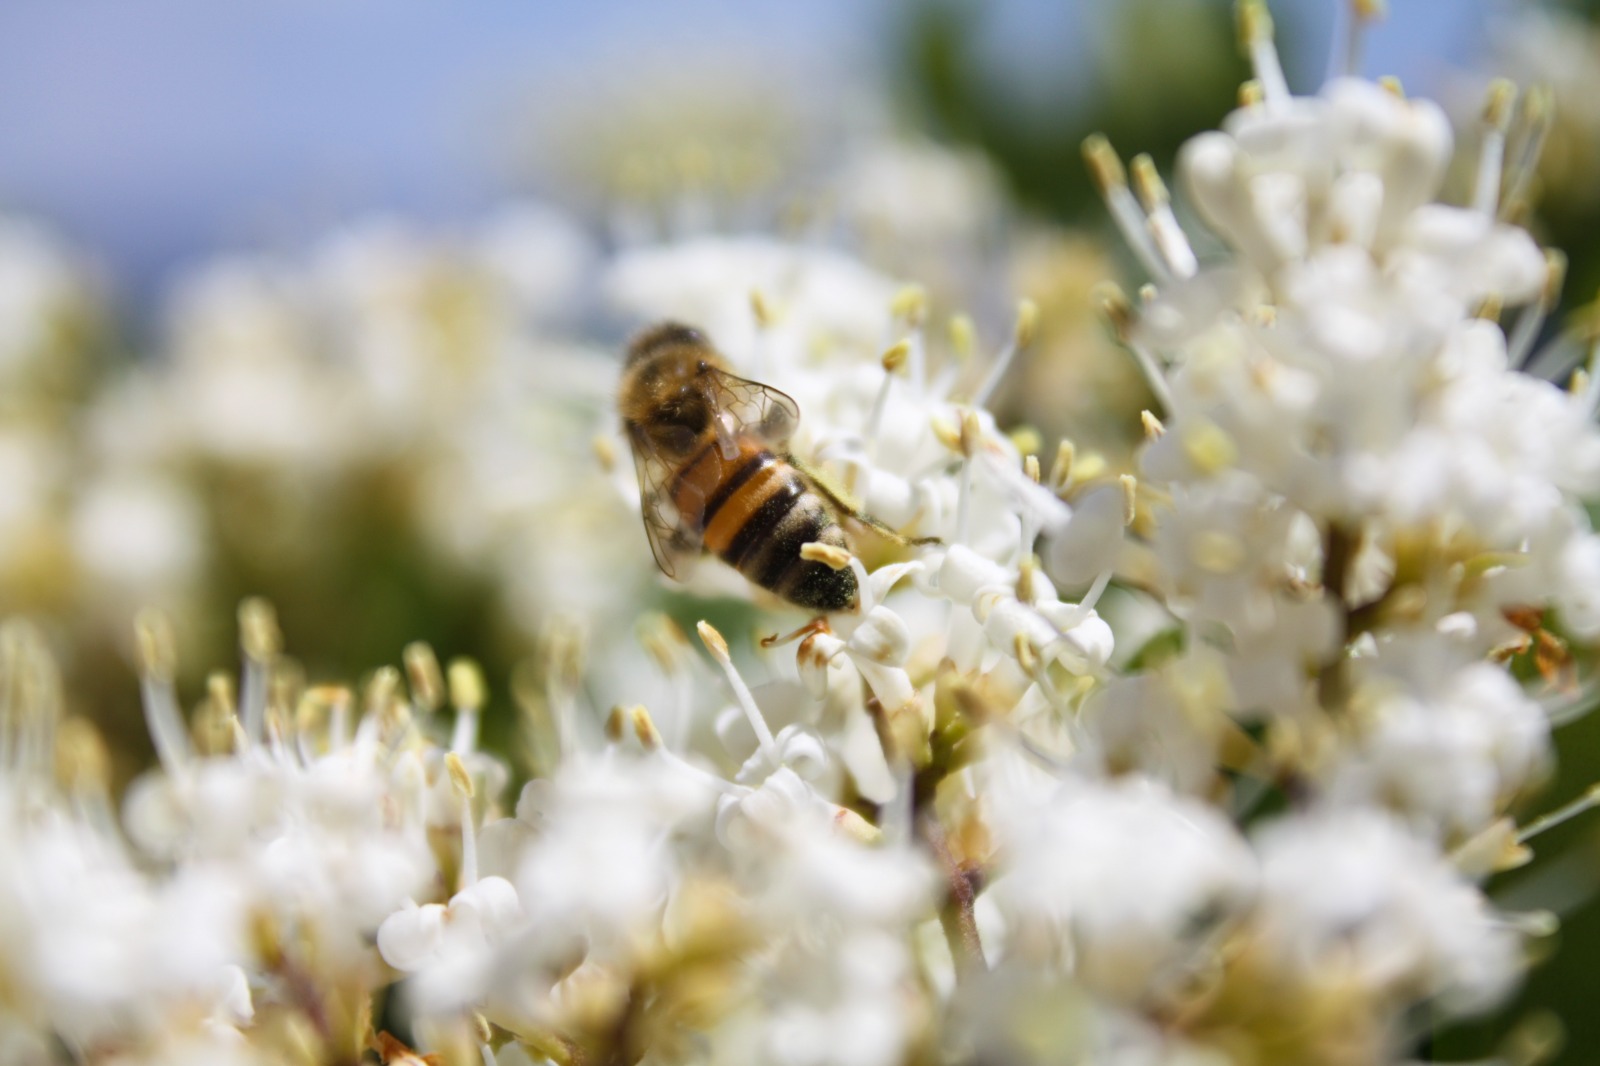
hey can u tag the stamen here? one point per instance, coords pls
(382, 693)
(1531, 321)
(261, 641)
(1061, 469)
(561, 655)
(422, 671)
(310, 718)
(1538, 112)
(468, 695)
(1022, 335)
(1491, 154)
(1171, 241)
(1153, 429)
(212, 724)
(644, 728)
(1119, 313)
(157, 660)
(894, 362)
(764, 316)
(969, 443)
(650, 738)
(911, 304)
(1362, 13)
(1255, 38)
(616, 725)
(1565, 813)
(963, 337)
(461, 784)
(666, 643)
(1106, 170)
(747, 702)
(830, 555)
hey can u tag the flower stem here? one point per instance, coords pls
(1339, 548)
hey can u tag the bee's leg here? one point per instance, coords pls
(818, 624)
(852, 510)
(889, 532)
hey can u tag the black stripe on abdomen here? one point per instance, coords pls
(802, 525)
(731, 483)
(760, 526)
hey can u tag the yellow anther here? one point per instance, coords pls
(830, 555)
(467, 690)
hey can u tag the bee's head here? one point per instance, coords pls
(664, 337)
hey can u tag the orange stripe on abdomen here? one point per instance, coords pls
(745, 501)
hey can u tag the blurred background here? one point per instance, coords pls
(319, 302)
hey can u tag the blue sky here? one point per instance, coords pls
(151, 131)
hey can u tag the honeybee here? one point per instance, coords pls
(713, 475)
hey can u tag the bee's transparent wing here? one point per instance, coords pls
(672, 534)
(754, 407)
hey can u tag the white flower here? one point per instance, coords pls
(1447, 741)
(452, 946)
(1126, 879)
(1350, 893)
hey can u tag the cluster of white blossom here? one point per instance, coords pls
(957, 824)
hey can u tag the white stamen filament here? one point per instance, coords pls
(1565, 813)
(1169, 238)
(1524, 333)
(1172, 242)
(164, 719)
(1536, 128)
(1085, 606)
(917, 359)
(1154, 376)
(694, 773)
(469, 845)
(964, 501)
(741, 692)
(1491, 153)
(1135, 229)
(996, 373)
(1256, 26)
(1109, 176)
(253, 698)
(464, 737)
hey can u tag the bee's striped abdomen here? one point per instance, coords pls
(756, 512)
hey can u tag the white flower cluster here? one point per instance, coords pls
(954, 824)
